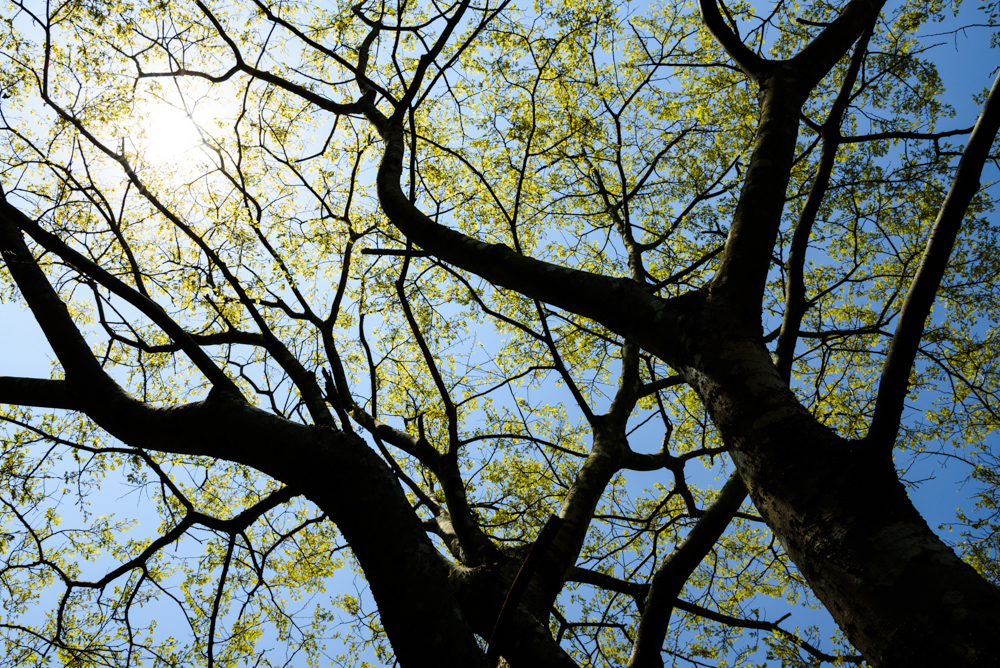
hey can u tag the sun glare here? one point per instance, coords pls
(170, 134)
(169, 137)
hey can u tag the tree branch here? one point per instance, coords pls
(742, 275)
(795, 293)
(147, 306)
(620, 304)
(813, 62)
(36, 392)
(677, 568)
(919, 299)
(337, 471)
(752, 65)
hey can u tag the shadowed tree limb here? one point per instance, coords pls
(795, 294)
(813, 62)
(895, 380)
(517, 588)
(39, 392)
(742, 275)
(676, 569)
(147, 306)
(752, 65)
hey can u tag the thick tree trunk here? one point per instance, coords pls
(408, 577)
(899, 593)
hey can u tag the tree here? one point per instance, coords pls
(429, 284)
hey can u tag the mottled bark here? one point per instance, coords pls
(527, 642)
(901, 596)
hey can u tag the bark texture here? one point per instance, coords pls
(898, 592)
(901, 596)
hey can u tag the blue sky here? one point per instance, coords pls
(966, 68)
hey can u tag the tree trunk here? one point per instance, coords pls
(901, 595)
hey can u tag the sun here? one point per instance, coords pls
(169, 134)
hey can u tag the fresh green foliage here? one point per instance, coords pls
(212, 157)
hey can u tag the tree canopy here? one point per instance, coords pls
(564, 334)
